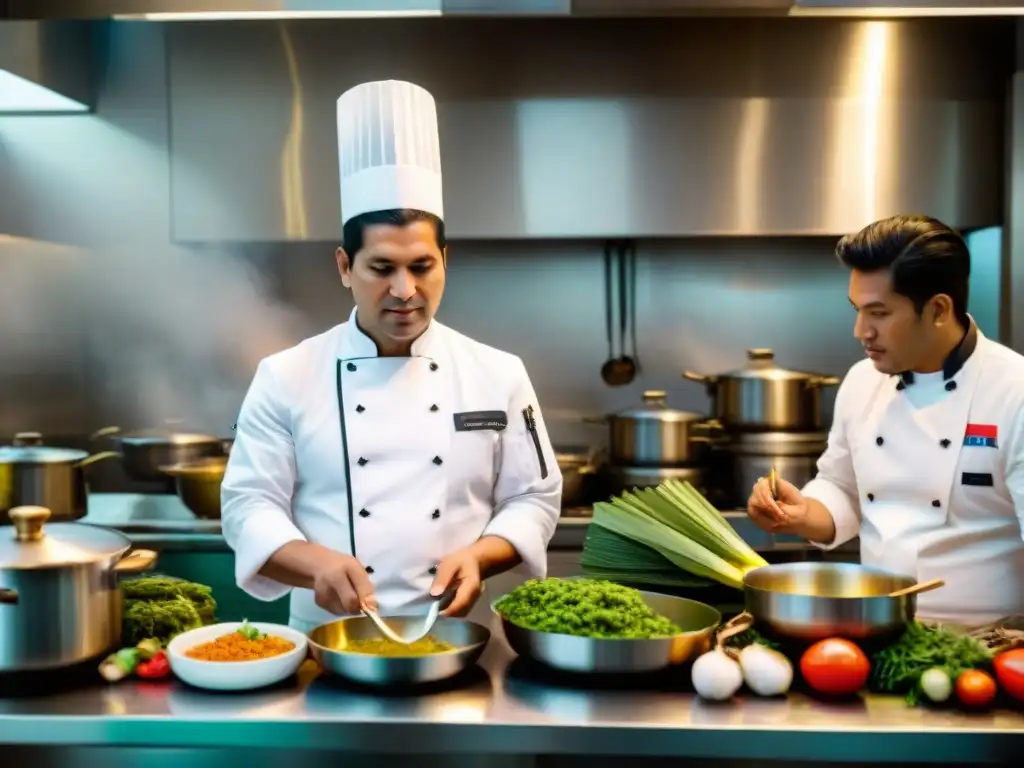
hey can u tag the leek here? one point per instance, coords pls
(642, 535)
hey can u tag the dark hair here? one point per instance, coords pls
(924, 258)
(352, 232)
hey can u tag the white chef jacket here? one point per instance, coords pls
(929, 470)
(398, 461)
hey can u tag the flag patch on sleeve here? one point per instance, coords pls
(981, 435)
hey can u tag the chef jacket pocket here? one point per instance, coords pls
(475, 453)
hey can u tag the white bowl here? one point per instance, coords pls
(235, 675)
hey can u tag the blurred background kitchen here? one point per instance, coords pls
(172, 218)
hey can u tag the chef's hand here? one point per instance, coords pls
(462, 567)
(341, 585)
(777, 516)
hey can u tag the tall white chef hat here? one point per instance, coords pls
(388, 150)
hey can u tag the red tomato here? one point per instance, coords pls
(1009, 669)
(975, 688)
(835, 666)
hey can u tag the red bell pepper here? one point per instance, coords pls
(155, 668)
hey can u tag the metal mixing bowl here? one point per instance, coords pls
(572, 653)
(327, 644)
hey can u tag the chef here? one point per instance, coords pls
(925, 458)
(390, 457)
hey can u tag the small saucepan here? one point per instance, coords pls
(814, 601)
(144, 452)
(45, 476)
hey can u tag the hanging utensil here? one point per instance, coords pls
(631, 251)
(626, 362)
(616, 371)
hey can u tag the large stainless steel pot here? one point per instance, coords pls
(60, 602)
(763, 396)
(144, 452)
(814, 601)
(33, 475)
(655, 435)
(198, 485)
(753, 454)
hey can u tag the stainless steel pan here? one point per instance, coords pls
(573, 653)
(327, 645)
(815, 601)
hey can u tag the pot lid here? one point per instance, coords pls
(761, 365)
(30, 543)
(39, 454)
(655, 408)
(784, 443)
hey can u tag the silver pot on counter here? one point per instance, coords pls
(656, 435)
(60, 601)
(763, 396)
(35, 475)
(793, 454)
(144, 452)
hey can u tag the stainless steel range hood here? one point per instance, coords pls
(906, 8)
(45, 67)
(227, 10)
(214, 10)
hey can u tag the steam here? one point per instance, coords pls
(155, 333)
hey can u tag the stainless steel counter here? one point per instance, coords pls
(506, 708)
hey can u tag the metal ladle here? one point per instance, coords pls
(412, 632)
(621, 370)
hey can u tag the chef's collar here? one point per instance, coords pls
(357, 344)
(954, 360)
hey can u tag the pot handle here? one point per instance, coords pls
(711, 382)
(8, 597)
(99, 457)
(135, 562)
(825, 381)
(105, 432)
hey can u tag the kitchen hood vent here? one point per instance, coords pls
(230, 10)
(45, 67)
(906, 8)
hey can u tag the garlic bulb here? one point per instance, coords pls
(715, 676)
(766, 672)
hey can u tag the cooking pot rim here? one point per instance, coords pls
(40, 454)
(771, 571)
(152, 437)
(63, 545)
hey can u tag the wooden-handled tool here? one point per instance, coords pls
(916, 589)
